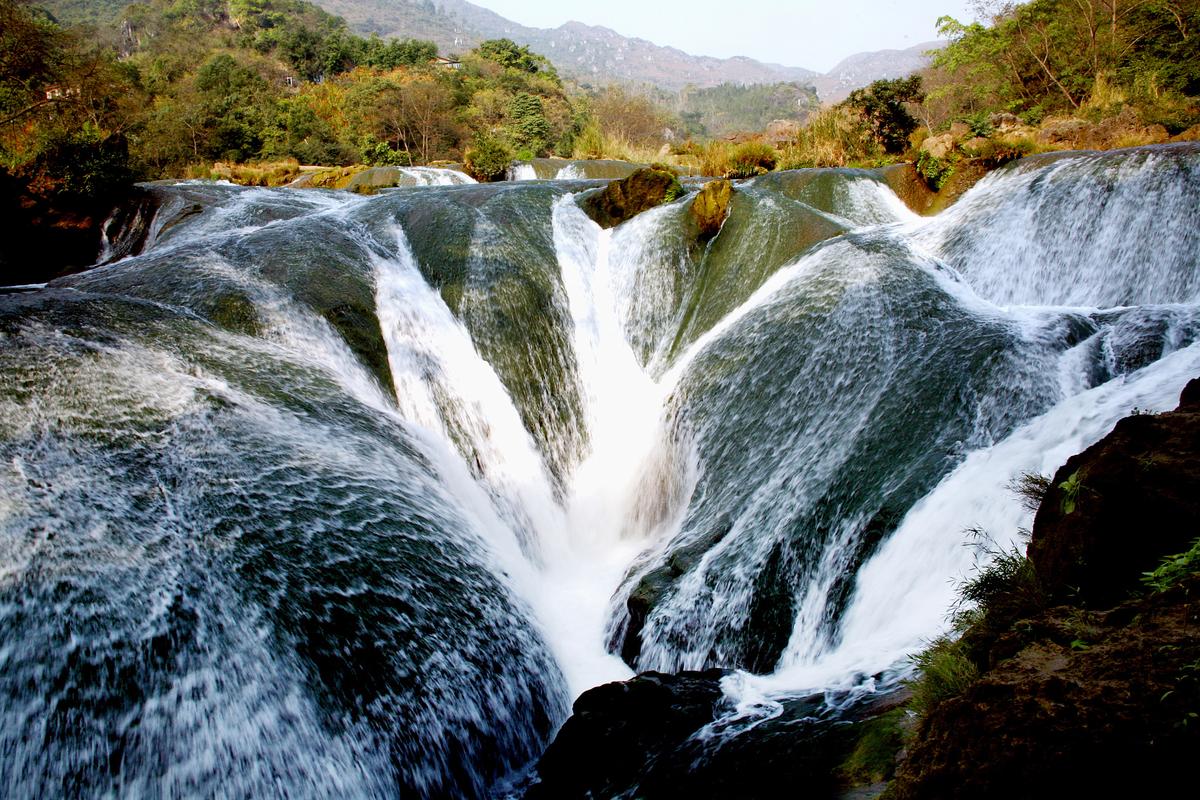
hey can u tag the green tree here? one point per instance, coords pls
(508, 53)
(530, 131)
(883, 105)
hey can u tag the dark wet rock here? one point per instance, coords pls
(60, 235)
(235, 312)
(1094, 704)
(667, 736)
(374, 178)
(711, 206)
(618, 729)
(1117, 508)
(657, 584)
(624, 199)
(1096, 694)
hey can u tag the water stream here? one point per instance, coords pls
(322, 494)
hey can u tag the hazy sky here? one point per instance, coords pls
(803, 33)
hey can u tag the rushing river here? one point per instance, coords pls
(327, 495)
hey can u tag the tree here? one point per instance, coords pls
(883, 106)
(508, 53)
(417, 116)
(530, 131)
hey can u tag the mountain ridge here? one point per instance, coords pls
(599, 54)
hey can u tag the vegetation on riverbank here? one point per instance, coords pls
(251, 90)
(1079, 655)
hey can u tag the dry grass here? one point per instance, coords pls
(273, 173)
(833, 137)
(594, 143)
(1105, 99)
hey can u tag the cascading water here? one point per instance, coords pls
(335, 495)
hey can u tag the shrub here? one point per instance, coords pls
(750, 159)
(1004, 591)
(1174, 569)
(488, 158)
(834, 137)
(882, 105)
(86, 163)
(943, 671)
(1032, 488)
(1033, 116)
(873, 759)
(935, 171)
(980, 124)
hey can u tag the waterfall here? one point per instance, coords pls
(317, 493)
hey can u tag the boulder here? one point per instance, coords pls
(960, 130)
(1005, 121)
(711, 206)
(976, 145)
(1192, 134)
(668, 736)
(1114, 510)
(939, 146)
(1064, 133)
(624, 199)
(616, 729)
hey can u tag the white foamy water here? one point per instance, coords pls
(887, 383)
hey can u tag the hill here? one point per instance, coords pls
(590, 54)
(587, 53)
(860, 69)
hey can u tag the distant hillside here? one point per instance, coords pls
(861, 69)
(587, 53)
(729, 108)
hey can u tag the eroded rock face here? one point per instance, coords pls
(1093, 705)
(711, 206)
(61, 235)
(1096, 696)
(667, 736)
(939, 146)
(626, 198)
(1117, 508)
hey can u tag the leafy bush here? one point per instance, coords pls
(935, 171)
(1174, 569)
(488, 158)
(85, 164)
(529, 129)
(882, 105)
(980, 124)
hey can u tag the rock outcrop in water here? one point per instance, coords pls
(59, 235)
(1101, 692)
(711, 206)
(624, 199)
(668, 736)
(1118, 507)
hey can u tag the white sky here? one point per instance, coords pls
(815, 34)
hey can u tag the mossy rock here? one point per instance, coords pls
(333, 178)
(235, 312)
(624, 199)
(711, 206)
